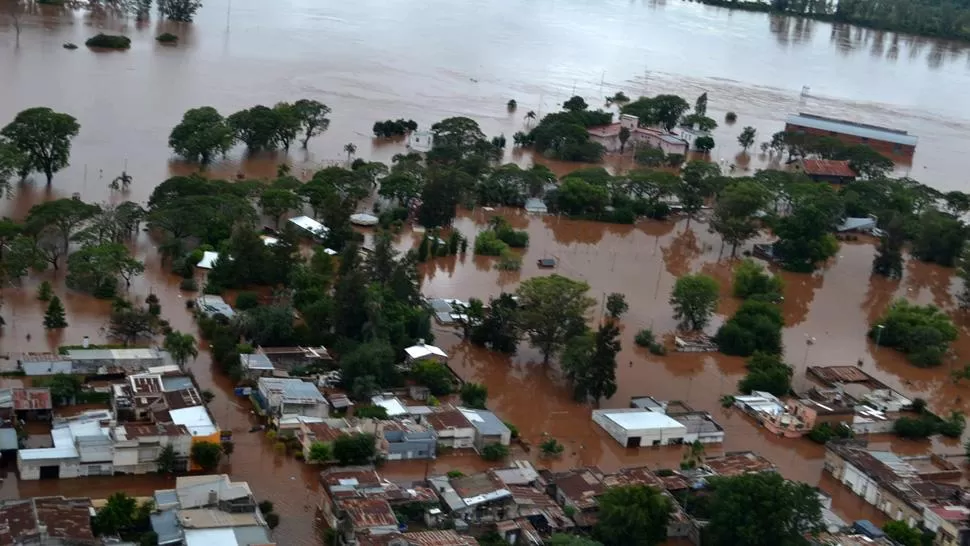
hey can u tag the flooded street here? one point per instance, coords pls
(371, 60)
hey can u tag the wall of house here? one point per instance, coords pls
(457, 438)
(320, 410)
(419, 448)
(705, 437)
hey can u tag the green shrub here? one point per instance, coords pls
(189, 285)
(644, 338)
(487, 243)
(730, 117)
(495, 452)
(247, 300)
(167, 38)
(923, 332)
(513, 238)
(510, 261)
(109, 41)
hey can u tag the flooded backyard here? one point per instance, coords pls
(369, 60)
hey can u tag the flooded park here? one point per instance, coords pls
(371, 60)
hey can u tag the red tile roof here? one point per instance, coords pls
(31, 399)
(827, 167)
(443, 420)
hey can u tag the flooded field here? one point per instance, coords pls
(369, 60)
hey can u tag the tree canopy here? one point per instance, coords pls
(201, 135)
(761, 509)
(923, 332)
(552, 310)
(43, 139)
(694, 300)
(632, 515)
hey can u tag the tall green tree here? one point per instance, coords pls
(589, 363)
(734, 217)
(767, 373)
(940, 238)
(95, 269)
(276, 202)
(130, 325)
(746, 138)
(694, 300)
(497, 327)
(201, 135)
(616, 305)
(354, 449)
(552, 309)
(60, 218)
(43, 138)
(313, 118)
(181, 347)
(166, 460)
(117, 515)
(12, 165)
(888, 261)
(54, 317)
(257, 127)
(761, 509)
(182, 11)
(632, 515)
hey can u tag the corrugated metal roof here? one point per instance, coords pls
(852, 128)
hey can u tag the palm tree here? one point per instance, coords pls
(181, 347)
(351, 149)
(530, 117)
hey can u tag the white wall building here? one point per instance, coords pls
(636, 427)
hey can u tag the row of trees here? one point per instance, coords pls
(936, 18)
(204, 133)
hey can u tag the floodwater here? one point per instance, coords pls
(373, 60)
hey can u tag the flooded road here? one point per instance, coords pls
(373, 60)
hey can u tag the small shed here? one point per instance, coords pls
(423, 351)
(310, 226)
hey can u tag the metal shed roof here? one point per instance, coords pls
(860, 130)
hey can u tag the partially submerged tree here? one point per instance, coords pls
(632, 515)
(201, 135)
(54, 317)
(552, 310)
(43, 138)
(181, 347)
(694, 300)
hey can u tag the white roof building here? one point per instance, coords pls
(636, 427)
(393, 405)
(423, 350)
(196, 419)
(310, 226)
(208, 260)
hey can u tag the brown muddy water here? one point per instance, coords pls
(373, 60)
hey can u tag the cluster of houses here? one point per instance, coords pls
(921, 490)
(843, 395)
(149, 412)
(522, 505)
(200, 511)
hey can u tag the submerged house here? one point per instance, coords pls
(609, 137)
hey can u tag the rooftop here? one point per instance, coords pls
(392, 404)
(211, 518)
(322, 432)
(450, 418)
(215, 305)
(64, 518)
(256, 361)
(422, 350)
(140, 430)
(22, 399)
(293, 391)
(953, 513)
(639, 419)
(184, 398)
(310, 225)
(485, 421)
(827, 167)
(738, 463)
(114, 354)
(196, 419)
(846, 127)
(476, 485)
(193, 491)
(368, 512)
(580, 486)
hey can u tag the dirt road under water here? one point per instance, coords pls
(372, 60)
